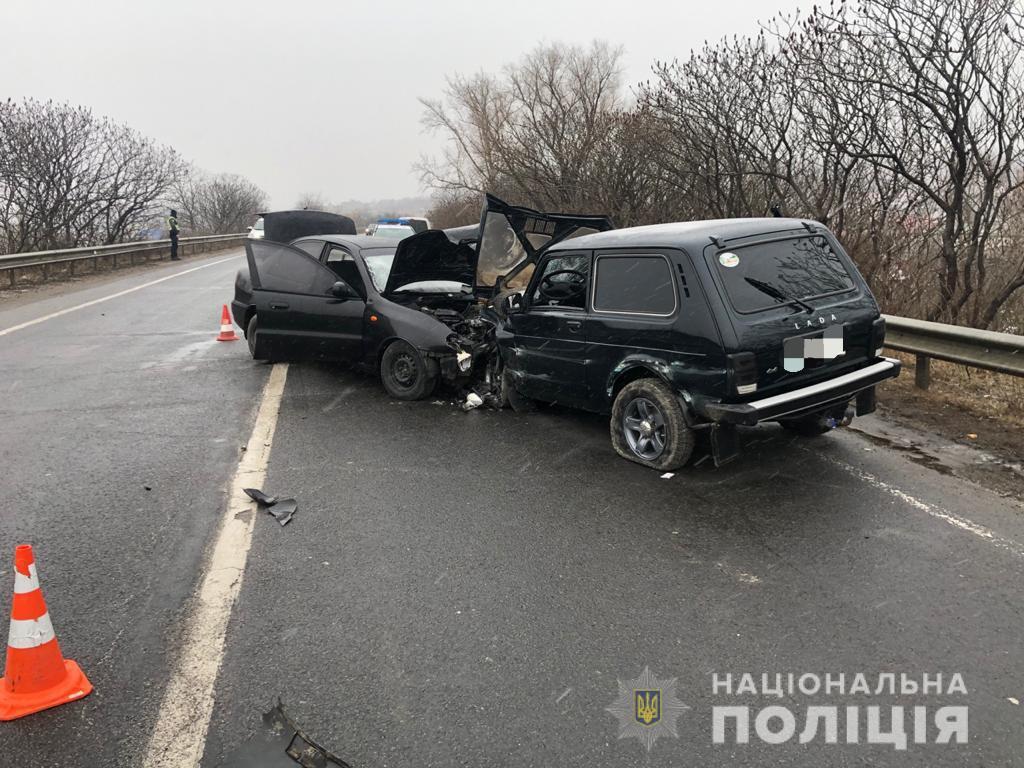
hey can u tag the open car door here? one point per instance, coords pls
(304, 311)
(513, 238)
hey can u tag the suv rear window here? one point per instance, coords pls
(634, 284)
(798, 268)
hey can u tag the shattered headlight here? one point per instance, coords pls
(464, 359)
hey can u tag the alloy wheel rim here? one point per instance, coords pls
(643, 424)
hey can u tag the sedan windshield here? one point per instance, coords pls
(379, 262)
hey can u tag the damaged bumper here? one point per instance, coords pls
(806, 399)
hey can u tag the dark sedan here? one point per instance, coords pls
(415, 310)
(329, 297)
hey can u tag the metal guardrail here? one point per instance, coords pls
(1000, 352)
(63, 262)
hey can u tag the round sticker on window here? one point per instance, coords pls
(728, 259)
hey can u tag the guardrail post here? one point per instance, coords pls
(922, 371)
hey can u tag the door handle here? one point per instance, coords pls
(278, 305)
(573, 325)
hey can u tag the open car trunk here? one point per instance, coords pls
(285, 226)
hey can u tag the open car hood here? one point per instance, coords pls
(508, 239)
(285, 226)
(430, 255)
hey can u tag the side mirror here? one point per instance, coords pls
(342, 290)
(513, 303)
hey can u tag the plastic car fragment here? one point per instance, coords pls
(282, 744)
(260, 497)
(282, 509)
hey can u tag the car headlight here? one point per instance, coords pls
(464, 359)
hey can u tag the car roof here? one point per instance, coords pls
(359, 241)
(684, 234)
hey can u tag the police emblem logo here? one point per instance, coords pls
(647, 708)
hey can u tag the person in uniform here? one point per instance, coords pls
(172, 226)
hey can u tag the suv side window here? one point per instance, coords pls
(563, 282)
(634, 284)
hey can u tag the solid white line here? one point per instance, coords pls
(956, 521)
(44, 318)
(179, 737)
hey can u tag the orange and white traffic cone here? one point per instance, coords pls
(36, 677)
(227, 330)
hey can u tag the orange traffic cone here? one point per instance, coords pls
(37, 677)
(227, 330)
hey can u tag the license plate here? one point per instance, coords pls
(827, 345)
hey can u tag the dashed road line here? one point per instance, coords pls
(179, 737)
(68, 310)
(964, 524)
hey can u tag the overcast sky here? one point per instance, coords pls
(316, 95)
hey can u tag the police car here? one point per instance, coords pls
(398, 228)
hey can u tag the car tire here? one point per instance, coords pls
(406, 374)
(648, 426)
(250, 336)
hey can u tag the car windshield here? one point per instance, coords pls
(259, 224)
(379, 262)
(393, 232)
(769, 274)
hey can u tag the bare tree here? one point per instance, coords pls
(311, 201)
(70, 178)
(936, 89)
(530, 133)
(220, 204)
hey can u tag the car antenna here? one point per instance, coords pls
(716, 242)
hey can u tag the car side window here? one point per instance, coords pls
(313, 247)
(343, 264)
(337, 253)
(563, 282)
(634, 284)
(288, 270)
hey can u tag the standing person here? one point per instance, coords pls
(172, 225)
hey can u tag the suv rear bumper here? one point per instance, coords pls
(806, 399)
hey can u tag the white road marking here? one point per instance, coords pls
(938, 513)
(44, 318)
(179, 737)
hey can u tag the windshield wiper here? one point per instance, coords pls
(778, 295)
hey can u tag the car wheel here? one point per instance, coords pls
(648, 426)
(250, 336)
(406, 374)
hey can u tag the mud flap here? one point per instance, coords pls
(866, 401)
(725, 443)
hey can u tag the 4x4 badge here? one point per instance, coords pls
(809, 322)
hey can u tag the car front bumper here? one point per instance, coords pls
(805, 399)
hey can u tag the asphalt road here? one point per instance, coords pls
(467, 588)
